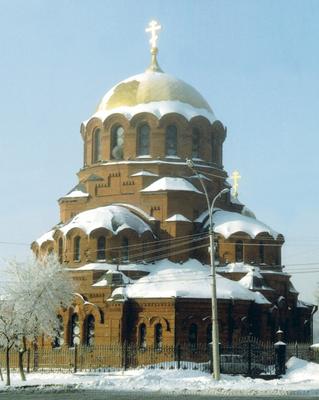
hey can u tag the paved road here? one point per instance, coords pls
(92, 395)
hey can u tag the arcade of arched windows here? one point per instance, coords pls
(171, 137)
(100, 246)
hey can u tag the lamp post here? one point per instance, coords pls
(215, 332)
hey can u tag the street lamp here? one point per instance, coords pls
(215, 333)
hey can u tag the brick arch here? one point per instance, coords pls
(144, 117)
(92, 124)
(116, 119)
(174, 118)
(159, 320)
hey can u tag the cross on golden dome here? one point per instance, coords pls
(235, 176)
(153, 27)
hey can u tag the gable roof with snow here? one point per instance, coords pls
(171, 183)
(178, 218)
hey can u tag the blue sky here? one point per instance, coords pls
(255, 62)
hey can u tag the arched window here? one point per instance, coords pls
(195, 142)
(261, 251)
(58, 341)
(60, 250)
(89, 328)
(171, 140)
(143, 140)
(77, 248)
(239, 251)
(125, 249)
(142, 336)
(192, 336)
(74, 330)
(158, 336)
(117, 143)
(101, 243)
(97, 154)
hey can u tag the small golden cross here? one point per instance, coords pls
(235, 176)
(153, 26)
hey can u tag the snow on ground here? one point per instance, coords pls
(302, 378)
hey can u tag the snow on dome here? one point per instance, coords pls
(178, 218)
(113, 218)
(48, 236)
(247, 211)
(190, 280)
(227, 223)
(171, 183)
(154, 92)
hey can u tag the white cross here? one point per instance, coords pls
(152, 28)
(235, 176)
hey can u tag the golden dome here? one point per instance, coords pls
(154, 90)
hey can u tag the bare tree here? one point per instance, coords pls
(34, 292)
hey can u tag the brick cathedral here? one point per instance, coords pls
(134, 231)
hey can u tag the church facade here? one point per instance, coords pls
(134, 230)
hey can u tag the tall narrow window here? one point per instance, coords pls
(74, 330)
(77, 248)
(89, 330)
(125, 249)
(60, 250)
(262, 251)
(192, 336)
(158, 336)
(239, 251)
(142, 336)
(97, 154)
(117, 143)
(101, 243)
(58, 341)
(195, 143)
(171, 140)
(143, 140)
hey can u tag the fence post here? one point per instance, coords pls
(125, 356)
(280, 353)
(220, 357)
(249, 358)
(75, 368)
(178, 351)
(211, 364)
(296, 350)
(28, 360)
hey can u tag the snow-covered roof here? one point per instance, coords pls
(155, 92)
(178, 218)
(48, 236)
(112, 218)
(254, 280)
(226, 223)
(144, 173)
(202, 176)
(171, 183)
(235, 267)
(189, 280)
(104, 266)
(104, 282)
(76, 193)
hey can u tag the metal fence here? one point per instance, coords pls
(249, 357)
